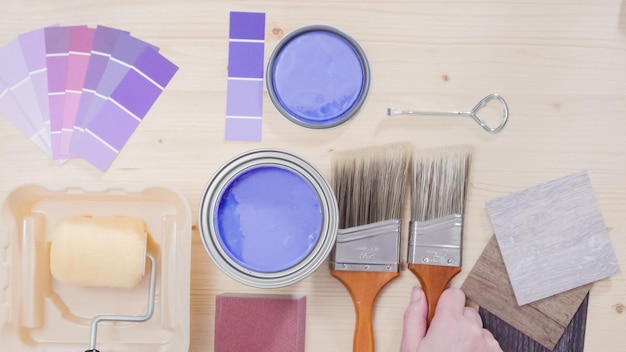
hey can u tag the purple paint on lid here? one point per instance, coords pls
(268, 218)
(318, 77)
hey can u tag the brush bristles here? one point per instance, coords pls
(370, 183)
(440, 182)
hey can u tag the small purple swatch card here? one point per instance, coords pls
(81, 42)
(15, 78)
(77, 91)
(33, 49)
(244, 90)
(57, 53)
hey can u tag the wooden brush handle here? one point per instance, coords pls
(364, 287)
(434, 280)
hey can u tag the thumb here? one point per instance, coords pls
(414, 327)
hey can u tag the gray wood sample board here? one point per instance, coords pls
(552, 238)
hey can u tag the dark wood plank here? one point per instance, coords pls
(513, 340)
(545, 320)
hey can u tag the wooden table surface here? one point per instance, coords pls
(560, 64)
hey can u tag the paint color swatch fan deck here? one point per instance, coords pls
(80, 92)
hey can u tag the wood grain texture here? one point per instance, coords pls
(559, 64)
(364, 288)
(513, 340)
(552, 237)
(544, 321)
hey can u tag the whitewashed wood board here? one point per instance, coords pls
(552, 237)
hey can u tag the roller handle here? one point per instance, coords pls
(92, 351)
(364, 287)
(434, 280)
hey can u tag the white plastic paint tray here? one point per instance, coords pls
(37, 313)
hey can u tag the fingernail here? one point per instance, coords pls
(416, 294)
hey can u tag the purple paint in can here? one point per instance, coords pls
(268, 218)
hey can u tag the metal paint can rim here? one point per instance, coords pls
(238, 166)
(365, 70)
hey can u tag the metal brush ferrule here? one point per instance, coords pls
(437, 241)
(371, 247)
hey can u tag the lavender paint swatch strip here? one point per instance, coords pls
(57, 52)
(34, 54)
(128, 105)
(16, 77)
(244, 91)
(81, 43)
(10, 108)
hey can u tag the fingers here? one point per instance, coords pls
(472, 314)
(492, 343)
(452, 301)
(414, 327)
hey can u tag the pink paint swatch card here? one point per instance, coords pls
(81, 43)
(129, 103)
(15, 76)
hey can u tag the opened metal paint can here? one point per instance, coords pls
(268, 218)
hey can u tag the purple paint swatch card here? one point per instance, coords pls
(118, 118)
(244, 98)
(81, 43)
(126, 51)
(244, 91)
(57, 52)
(105, 41)
(10, 108)
(245, 59)
(34, 51)
(16, 76)
(247, 25)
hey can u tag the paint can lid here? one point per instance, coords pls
(268, 218)
(318, 77)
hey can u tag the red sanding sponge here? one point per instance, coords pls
(259, 323)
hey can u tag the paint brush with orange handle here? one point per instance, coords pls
(440, 182)
(370, 187)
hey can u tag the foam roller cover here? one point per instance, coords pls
(99, 251)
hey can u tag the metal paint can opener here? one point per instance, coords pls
(472, 113)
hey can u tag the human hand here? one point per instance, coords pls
(454, 327)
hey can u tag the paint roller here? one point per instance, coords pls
(103, 252)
